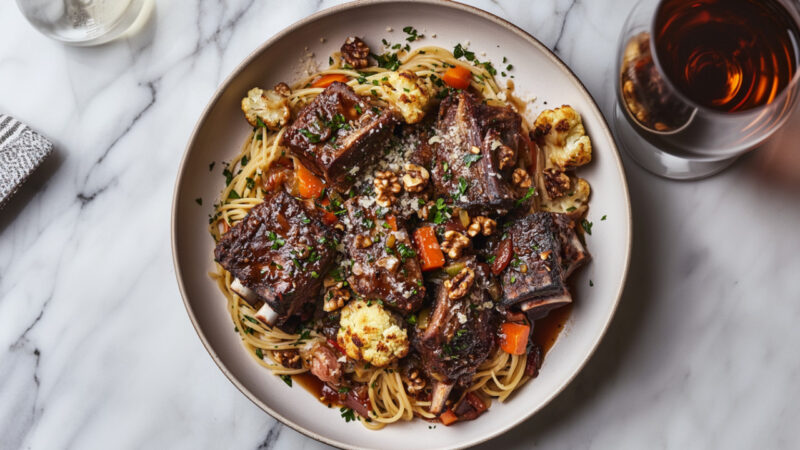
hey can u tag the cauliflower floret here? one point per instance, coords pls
(573, 202)
(369, 333)
(562, 136)
(410, 94)
(271, 107)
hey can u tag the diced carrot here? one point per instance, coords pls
(328, 217)
(392, 221)
(457, 77)
(514, 338)
(308, 185)
(428, 248)
(448, 418)
(326, 80)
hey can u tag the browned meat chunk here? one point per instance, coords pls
(543, 251)
(385, 265)
(460, 334)
(339, 134)
(573, 252)
(476, 150)
(279, 252)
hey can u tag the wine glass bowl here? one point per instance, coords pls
(692, 92)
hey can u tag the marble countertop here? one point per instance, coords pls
(96, 349)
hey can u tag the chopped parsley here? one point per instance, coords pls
(460, 51)
(260, 122)
(250, 183)
(233, 194)
(388, 60)
(412, 319)
(603, 218)
(412, 34)
(442, 212)
(287, 379)
(347, 414)
(357, 107)
(344, 390)
(211, 166)
(312, 137)
(463, 186)
(368, 223)
(527, 196)
(259, 353)
(228, 176)
(587, 226)
(277, 241)
(571, 208)
(304, 336)
(471, 158)
(405, 251)
(199, 201)
(591, 283)
(338, 122)
(491, 259)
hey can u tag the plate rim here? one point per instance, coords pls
(604, 129)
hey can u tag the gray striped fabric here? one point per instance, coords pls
(22, 150)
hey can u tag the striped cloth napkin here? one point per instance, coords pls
(22, 150)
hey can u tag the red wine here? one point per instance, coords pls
(727, 55)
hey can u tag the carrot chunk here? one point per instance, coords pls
(428, 248)
(514, 339)
(448, 418)
(308, 185)
(326, 80)
(457, 77)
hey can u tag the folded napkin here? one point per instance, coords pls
(22, 150)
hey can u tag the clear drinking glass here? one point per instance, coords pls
(660, 125)
(82, 22)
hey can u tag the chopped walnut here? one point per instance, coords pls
(475, 150)
(414, 382)
(556, 182)
(415, 178)
(454, 243)
(335, 297)
(282, 89)
(424, 212)
(521, 178)
(363, 241)
(507, 157)
(287, 358)
(386, 188)
(355, 52)
(481, 224)
(459, 285)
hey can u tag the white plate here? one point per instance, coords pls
(218, 136)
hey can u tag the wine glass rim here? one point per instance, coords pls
(790, 86)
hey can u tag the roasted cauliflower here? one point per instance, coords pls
(563, 139)
(573, 202)
(369, 333)
(269, 106)
(410, 94)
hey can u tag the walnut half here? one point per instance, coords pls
(459, 285)
(287, 358)
(454, 243)
(415, 178)
(386, 188)
(481, 224)
(355, 52)
(335, 297)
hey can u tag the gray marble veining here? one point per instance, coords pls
(96, 350)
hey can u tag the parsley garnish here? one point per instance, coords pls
(259, 353)
(471, 158)
(460, 51)
(603, 218)
(591, 283)
(313, 138)
(587, 226)
(527, 196)
(357, 107)
(412, 319)
(405, 251)
(287, 379)
(491, 259)
(347, 414)
(388, 60)
(277, 241)
(344, 390)
(199, 201)
(442, 212)
(233, 194)
(228, 176)
(304, 336)
(211, 166)
(412, 34)
(463, 186)
(260, 122)
(250, 183)
(571, 208)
